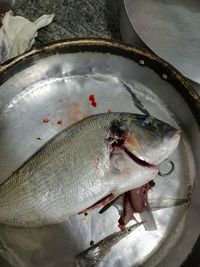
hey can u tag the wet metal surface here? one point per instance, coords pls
(170, 29)
(50, 92)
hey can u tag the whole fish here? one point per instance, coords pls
(95, 254)
(103, 155)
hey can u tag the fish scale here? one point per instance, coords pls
(74, 170)
(51, 169)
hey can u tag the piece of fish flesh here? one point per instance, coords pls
(104, 154)
(96, 253)
(136, 200)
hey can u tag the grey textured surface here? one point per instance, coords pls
(75, 18)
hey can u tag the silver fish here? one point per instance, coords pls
(104, 154)
(95, 254)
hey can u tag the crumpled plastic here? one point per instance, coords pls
(17, 34)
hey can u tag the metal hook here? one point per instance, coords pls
(170, 171)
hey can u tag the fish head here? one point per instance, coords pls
(146, 138)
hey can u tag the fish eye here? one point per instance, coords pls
(146, 122)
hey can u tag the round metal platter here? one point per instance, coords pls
(171, 30)
(48, 89)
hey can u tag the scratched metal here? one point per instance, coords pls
(57, 87)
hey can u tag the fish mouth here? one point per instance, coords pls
(119, 144)
(136, 159)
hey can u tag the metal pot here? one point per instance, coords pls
(56, 79)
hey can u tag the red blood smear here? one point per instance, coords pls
(38, 138)
(92, 100)
(45, 120)
(109, 110)
(60, 122)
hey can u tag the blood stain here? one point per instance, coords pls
(92, 100)
(60, 122)
(45, 120)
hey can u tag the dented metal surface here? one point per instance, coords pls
(45, 90)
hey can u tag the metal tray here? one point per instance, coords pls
(53, 84)
(169, 28)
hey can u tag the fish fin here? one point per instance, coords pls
(136, 100)
(100, 203)
(107, 206)
(149, 220)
